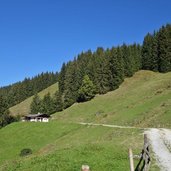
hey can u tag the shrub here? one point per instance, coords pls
(25, 152)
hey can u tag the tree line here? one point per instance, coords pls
(156, 50)
(20, 91)
(5, 117)
(92, 73)
(49, 104)
(16, 93)
(104, 70)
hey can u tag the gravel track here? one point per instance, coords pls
(160, 140)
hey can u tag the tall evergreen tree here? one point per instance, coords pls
(72, 84)
(58, 102)
(116, 68)
(150, 52)
(135, 56)
(164, 42)
(101, 71)
(36, 104)
(127, 61)
(147, 52)
(5, 117)
(87, 90)
(154, 53)
(3, 104)
(48, 104)
(61, 80)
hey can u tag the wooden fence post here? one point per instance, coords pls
(145, 148)
(85, 168)
(144, 162)
(146, 155)
(131, 161)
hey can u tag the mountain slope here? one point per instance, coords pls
(65, 147)
(23, 108)
(143, 100)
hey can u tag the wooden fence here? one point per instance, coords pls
(144, 158)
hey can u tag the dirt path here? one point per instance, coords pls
(106, 125)
(160, 140)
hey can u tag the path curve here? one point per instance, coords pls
(160, 140)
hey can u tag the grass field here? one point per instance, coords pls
(143, 100)
(64, 145)
(23, 108)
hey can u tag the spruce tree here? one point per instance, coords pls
(36, 104)
(87, 90)
(128, 60)
(3, 105)
(5, 117)
(101, 67)
(154, 53)
(61, 81)
(150, 52)
(135, 55)
(48, 105)
(164, 43)
(147, 52)
(58, 102)
(116, 68)
(72, 84)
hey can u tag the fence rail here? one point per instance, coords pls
(144, 158)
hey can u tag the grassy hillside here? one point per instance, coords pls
(143, 100)
(64, 145)
(23, 108)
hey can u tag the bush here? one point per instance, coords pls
(25, 152)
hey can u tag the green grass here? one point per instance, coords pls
(60, 146)
(35, 136)
(23, 108)
(143, 100)
(63, 145)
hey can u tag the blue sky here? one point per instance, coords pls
(39, 35)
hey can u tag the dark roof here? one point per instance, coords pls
(37, 115)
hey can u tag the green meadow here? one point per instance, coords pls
(143, 101)
(65, 147)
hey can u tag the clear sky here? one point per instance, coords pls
(39, 35)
